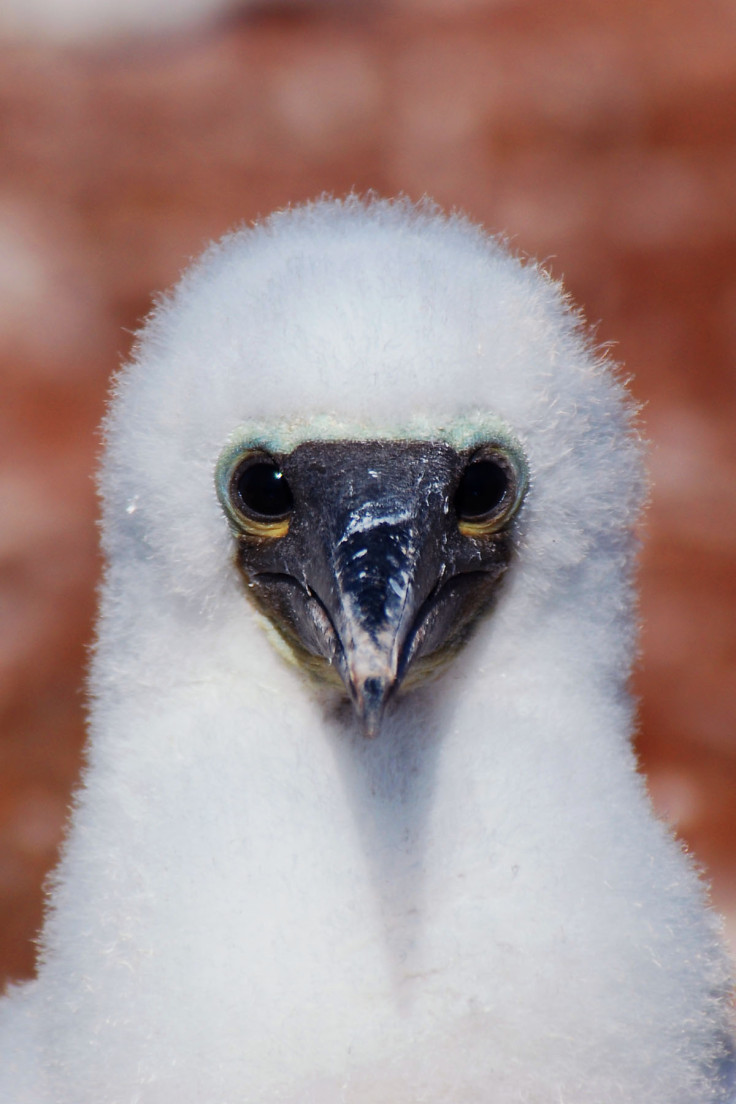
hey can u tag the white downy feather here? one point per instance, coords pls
(256, 904)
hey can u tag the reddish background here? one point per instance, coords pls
(599, 134)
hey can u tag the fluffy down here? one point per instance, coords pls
(255, 903)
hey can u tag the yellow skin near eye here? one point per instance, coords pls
(271, 529)
(482, 528)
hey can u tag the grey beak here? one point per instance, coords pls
(373, 603)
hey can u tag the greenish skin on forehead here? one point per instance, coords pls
(461, 434)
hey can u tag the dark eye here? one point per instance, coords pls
(259, 488)
(490, 490)
(482, 489)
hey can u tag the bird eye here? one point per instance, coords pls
(482, 488)
(259, 488)
(489, 491)
(255, 494)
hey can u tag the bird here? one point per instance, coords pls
(360, 819)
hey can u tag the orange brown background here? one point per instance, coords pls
(600, 135)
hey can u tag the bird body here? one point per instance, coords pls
(256, 903)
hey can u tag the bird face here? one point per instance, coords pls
(373, 559)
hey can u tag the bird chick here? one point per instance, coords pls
(367, 477)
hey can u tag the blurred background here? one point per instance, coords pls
(600, 135)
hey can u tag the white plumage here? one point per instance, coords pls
(258, 904)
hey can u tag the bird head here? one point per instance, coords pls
(351, 422)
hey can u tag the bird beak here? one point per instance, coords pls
(373, 599)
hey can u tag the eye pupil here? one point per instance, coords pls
(261, 488)
(483, 487)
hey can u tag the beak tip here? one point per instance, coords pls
(370, 697)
